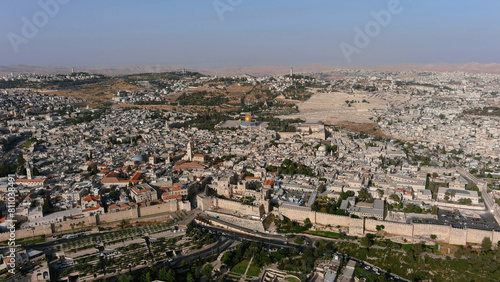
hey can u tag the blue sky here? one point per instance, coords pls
(254, 32)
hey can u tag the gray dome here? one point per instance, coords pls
(140, 158)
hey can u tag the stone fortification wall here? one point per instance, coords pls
(156, 209)
(394, 228)
(331, 219)
(239, 207)
(442, 232)
(415, 231)
(89, 221)
(458, 236)
(477, 236)
(242, 222)
(39, 230)
(298, 213)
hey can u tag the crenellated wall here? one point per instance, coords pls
(414, 231)
(156, 209)
(90, 221)
(117, 216)
(239, 207)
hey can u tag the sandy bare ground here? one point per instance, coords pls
(332, 107)
(352, 111)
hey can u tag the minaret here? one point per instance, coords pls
(183, 71)
(291, 72)
(73, 70)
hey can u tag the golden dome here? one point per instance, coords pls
(248, 118)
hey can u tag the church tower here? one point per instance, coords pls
(189, 151)
(29, 173)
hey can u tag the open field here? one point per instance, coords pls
(334, 107)
(240, 267)
(96, 94)
(352, 111)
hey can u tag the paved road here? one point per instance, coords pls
(483, 187)
(281, 237)
(271, 241)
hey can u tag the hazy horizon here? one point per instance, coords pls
(223, 33)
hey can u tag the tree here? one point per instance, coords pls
(394, 197)
(486, 244)
(380, 193)
(365, 196)
(166, 274)
(322, 188)
(47, 205)
(207, 271)
(20, 160)
(366, 242)
(453, 193)
(380, 227)
(123, 223)
(197, 274)
(125, 278)
(114, 195)
(307, 223)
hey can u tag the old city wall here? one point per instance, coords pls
(39, 230)
(394, 228)
(75, 223)
(242, 222)
(357, 226)
(298, 214)
(237, 206)
(442, 232)
(89, 221)
(117, 216)
(184, 206)
(496, 237)
(477, 236)
(155, 209)
(331, 219)
(458, 236)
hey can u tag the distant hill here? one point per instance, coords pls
(253, 70)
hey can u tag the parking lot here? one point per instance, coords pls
(484, 221)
